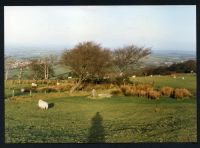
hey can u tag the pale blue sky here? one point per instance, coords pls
(159, 27)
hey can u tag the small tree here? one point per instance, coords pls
(41, 68)
(87, 60)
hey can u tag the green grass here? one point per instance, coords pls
(117, 119)
(189, 81)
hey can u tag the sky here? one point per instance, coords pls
(158, 27)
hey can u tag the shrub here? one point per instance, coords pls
(141, 93)
(116, 92)
(181, 93)
(153, 95)
(167, 91)
(139, 90)
(145, 87)
(47, 89)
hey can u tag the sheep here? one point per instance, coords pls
(183, 78)
(57, 83)
(134, 76)
(22, 90)
(33, 84)
(69, 77)
(42, 104)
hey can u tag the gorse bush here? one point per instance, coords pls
(139, 90)
(181, 93)
(167, 91)
(116, 92)
(153, 95)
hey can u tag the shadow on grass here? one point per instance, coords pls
(51, 105)
(96, 132)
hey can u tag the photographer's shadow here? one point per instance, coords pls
(96, 132)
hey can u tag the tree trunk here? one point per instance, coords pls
(20, 74)
(45, 71)
(76, 86)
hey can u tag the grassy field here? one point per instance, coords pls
(119, 119)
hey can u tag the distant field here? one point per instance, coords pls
(59, 70)
(119, 119)
(189, 81)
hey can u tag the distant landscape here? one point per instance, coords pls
(100, 74)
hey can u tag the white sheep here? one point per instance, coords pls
(183, 78)
(42, 104)
(134, 76)
(22, 90)
(57, 83)
(69, 77)
(33, 84)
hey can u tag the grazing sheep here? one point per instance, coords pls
(183, 78)
(69, 77)
(22, 90)
(42, 104)
(151, 75)
(153, 95)
(174, 77)
(57, 83)
(134, 76)
(33, 84)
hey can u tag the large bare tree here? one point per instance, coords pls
(124, 59)
(87, 59)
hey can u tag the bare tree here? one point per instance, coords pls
(124, 59)
(86, 60)
(47, 63)
(21, 67)
(43, 68)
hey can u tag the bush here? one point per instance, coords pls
(167, 91)
(153, 95)
(116, 92)
(141, 93)
(139, 90)
(181, 93)
(47, 89)
(144, 87)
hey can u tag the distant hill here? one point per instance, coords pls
(174, 53)
(157, 56)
